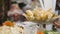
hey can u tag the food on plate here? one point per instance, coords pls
(8, 23)
(41, 15)
(29, 15)
(39, 32)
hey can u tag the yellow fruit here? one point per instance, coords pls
(29, 12)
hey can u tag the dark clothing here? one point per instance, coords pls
(3, 18)
(58, 6)
(22, 18)
(1, 21)
(21, 5)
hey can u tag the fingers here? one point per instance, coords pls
(57, 24)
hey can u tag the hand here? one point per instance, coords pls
(57, 24)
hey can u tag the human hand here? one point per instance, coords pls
(57, 24)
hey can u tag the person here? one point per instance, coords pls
(57, 23)
(15, 12)
(58, 6)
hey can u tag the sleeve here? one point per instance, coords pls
(18, 12)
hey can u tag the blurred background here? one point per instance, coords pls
(5, 6)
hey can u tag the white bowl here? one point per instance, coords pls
(49, 27)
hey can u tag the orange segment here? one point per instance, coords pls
(39, 32)
(8, 23)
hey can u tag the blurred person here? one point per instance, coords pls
(57, 24)
(58, 6)
(15, 13)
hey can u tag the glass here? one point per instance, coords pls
(30, 28)
(49, 26)
(40, 29)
